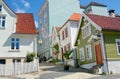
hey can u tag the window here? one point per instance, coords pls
(63, 35)
(16, 60)
(15, 43)
(2, 61)
(2, 21)
(64, 48)
(82, 56)
(86, 31)
(118, 46)
(88, 52)
(0, 8)
(69, 46)
(66, 32)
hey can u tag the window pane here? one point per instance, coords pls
(0, 7)
(12, 39)
(17, 45)
(12, 45)
(17, 39)
(3, 18)
(3, 23)
(118, 49)
(118, 43)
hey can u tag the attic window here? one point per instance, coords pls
(0, 7)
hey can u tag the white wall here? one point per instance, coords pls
(27, 42)
(114, 66)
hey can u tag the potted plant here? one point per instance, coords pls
(67, 57)
(56, 51)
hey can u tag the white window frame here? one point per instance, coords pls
(88, 32)
(117, 40)
(89, 52)
(82, 54)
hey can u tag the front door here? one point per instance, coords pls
(98, 52)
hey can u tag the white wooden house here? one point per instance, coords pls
(18, 35)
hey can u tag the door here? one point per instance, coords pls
(98, 51)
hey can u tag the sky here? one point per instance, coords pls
(33, 6)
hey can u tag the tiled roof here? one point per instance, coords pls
(25, 24)
(75, 16)
(94, 4)
(106, 22)
(57, 28)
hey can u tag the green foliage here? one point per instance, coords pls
(30, 57)
(56, 47)
(54, 60)
(111, 72)
(103, 73)
(67, 54)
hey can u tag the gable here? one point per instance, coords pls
(85, 21)
(6, 8)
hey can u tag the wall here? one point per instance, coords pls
(99, 10)
(61, 10)
(109, 38)
(83, 43)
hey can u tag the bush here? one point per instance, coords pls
(30, 57)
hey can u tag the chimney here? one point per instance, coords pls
(111, 13)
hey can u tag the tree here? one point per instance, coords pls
(67, 57)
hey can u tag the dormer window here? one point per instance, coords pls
(0, 8)
(2, 21)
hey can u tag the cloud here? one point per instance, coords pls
(36, 24)
(25, 3)
(18, 10)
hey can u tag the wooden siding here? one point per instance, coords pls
(110, 45)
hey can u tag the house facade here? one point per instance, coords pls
(55, 39)
(95, 8)
(18, 35)
(53, 13)
(68, 33)
(97, 43)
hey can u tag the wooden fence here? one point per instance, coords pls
(18, 68)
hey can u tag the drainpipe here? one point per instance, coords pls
(104, 53)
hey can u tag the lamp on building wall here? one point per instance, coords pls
(39, 41)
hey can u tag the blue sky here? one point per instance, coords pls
(33, 6)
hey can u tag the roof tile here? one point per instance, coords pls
(25, 24)
(106, 22)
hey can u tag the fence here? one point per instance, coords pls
(18, 68)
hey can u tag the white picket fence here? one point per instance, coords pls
(18, 68)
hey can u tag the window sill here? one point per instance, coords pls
(2, 28)
(14, 50)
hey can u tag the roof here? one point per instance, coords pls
(106, 22)
(25, 24)
(93, 4)
(75, 16)
(57, 28)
